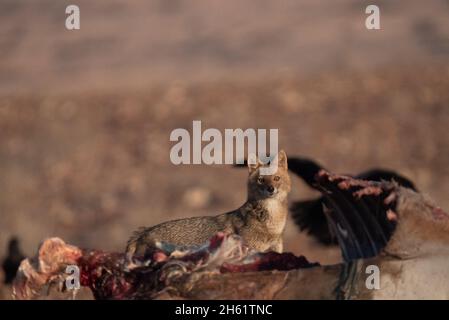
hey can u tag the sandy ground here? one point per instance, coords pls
(91, 168)
(85, 117)
(135, 43)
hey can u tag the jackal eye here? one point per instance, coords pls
(260, 180)
(277, 178)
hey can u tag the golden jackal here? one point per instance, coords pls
(260, 221)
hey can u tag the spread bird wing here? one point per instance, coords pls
(357, 213)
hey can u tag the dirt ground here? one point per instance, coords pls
(84, 130)
(136, 43)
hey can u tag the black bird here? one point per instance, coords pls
(308, 214)
(12, 261)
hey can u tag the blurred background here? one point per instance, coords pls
(86, 115)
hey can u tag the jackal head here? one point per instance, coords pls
(277, 185)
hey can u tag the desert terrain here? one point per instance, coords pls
(86, 116)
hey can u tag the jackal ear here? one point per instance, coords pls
(253, 162)
(281, 159)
